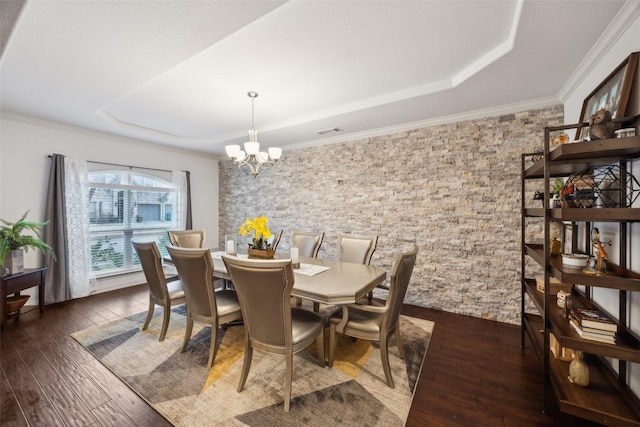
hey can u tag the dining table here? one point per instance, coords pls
(323, 281)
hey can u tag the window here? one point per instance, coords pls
(126, 205)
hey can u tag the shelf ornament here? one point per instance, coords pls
(597, 266)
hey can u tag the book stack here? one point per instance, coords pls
(593, 325)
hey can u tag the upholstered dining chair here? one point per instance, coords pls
(307, 242)
(188, 238)
(357, 249)
(215, 308)
(271, 324)
(377, 323)
(161, 292)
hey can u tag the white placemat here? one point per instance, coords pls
(218, 255)
(310, 269)
(306, 269)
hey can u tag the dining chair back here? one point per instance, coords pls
(356, 249)
(307, 242)
(215, 308)
(271, 324)
(160, 292)
(188, 238)
(276, 240)
(374, 322)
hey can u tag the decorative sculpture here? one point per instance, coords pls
(601, 126)
(579, 371)
(597, 266)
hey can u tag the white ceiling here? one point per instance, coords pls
(178, 72)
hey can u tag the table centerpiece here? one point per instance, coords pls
(259, 247)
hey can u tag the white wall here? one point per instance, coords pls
(628, 42)
(26, 143)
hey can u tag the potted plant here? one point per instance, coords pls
(259, 246)
(13, 243)
(558, 185)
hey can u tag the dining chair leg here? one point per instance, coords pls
(320, 345)
(165, 322)
(248, 353)
(152, 306)
(187, 332)
(384, 353)
(213, 348)
(332, 343)
(288, 380)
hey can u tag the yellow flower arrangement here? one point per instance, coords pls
(259, 225)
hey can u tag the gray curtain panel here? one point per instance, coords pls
(189, 221)
(57, 287)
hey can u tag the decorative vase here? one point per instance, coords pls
(260, 253)
(15, 261)
(579, 370)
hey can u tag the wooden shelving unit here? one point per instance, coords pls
(607, 399)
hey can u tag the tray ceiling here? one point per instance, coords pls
(177, 72)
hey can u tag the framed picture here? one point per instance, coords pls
(612, 94)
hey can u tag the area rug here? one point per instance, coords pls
(181, 388)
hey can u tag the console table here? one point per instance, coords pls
(15, 283)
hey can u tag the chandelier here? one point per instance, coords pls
(251, 155)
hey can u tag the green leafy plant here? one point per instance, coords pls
(12, 237)
(558, 184)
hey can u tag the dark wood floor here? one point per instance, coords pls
(475, 373)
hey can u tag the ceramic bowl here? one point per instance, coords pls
(575, 260)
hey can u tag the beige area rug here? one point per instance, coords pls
(179, 386)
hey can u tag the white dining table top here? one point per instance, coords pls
(341, 283)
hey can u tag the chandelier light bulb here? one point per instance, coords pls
(232, 150)
(252, 148)
(275, 153)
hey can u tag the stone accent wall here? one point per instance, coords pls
(454, 189)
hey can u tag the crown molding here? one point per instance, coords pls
(454, 118)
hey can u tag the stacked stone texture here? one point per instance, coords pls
(454, 189)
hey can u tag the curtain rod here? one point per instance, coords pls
(128, 166)
(124, 166)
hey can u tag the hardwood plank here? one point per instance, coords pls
(62, 362)
(120, 393)
(10, 411)
(69, 405)
(110, 415)
(91, 393)
(26, 389)
(40, 367)
(150, 418)
(45, 416)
